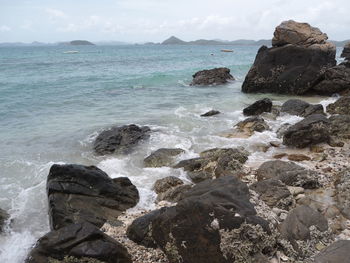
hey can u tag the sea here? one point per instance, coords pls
(53, 104)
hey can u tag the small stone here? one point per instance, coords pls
(298, 157)
(299, 196)
(295, 190)
(275, 143)
(316, 149)
(211, 113)
(280, 155)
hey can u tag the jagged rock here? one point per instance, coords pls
(78, 241)
(80, 193)
(170, 189)
(162, 157)
(258, 107)
(340, 126)
(214, 163)
(342, 186)
(337, 252)
(211, 113)
(120, 140)
(312, 130)
(289, 173)
(346, 51)
(164, 184)
(294, 64)
(251, 125)
(341, 106)
(3, 217)
(216, 76)
(301, 108)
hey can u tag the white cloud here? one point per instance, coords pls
(5, 28)
(55, 13)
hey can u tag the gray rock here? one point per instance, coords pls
(346, 51)
(338, 252)
(251, 125)
(174, 194)
(301, 108)
(342, 186)
(282, 130)
(216, 76)
(164, 184)
(340, 126)
(211, 113)
(258, 107)
(162, 157)
(341, 106)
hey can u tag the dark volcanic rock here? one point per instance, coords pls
(78, 241)
(211, 113)
(258, 107)
(79, 193)
(289, 173)
(3, 217)
(338, 252)
(340, 126)
(120, 140)
(312, 130)
(214, 76)
(294, 64)
(162, 157)
(341, 106)
(301, 108)
(346, 51)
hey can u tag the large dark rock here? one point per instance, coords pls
(289, 173)
(162, 157)
(341, 106)
(340, 126)
(216, 76)
(294, 64)
(78, 241)
(80, 193)
(3, 217)
(301, 108)
(346, 51)
(258, 107)
(120, 140)
(312, 130)
(337, 252)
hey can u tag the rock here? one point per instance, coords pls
(340, 126)
(282, 130)
(346, 51)
(275, 144)
(216, 76)
(295, 190)
(120, 140)
(214, 223)
(80, 193)
(342, 186)
(312, 130)
(258, 107)
(214, 163)
(164, 184)
(294, 64)
(297, 224)
(334, 142)
(289, 173)
(298, 157)
(170, 189)
(341, 106)
(274, 193)
(162, 157)
(280, 155)
(251, 125)
(337, 252)
(211, 113)
(301, 108)
(4, 216)
(78, 241)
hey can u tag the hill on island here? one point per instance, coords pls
(176, 41)
(78, 43)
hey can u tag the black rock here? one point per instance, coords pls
(80, 193)
(120, 140)
(3, 217)
(258, 107)
(337, 252)
(211, 113)
(346, 51)
(301, 108)
(216, 76)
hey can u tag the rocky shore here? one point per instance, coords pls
(294, 206)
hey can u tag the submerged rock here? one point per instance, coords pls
(162, 157)
(211, 113)
(337, 252)
(121, 139)
(312, 130)
(341, 106)
(251, 125)
(258, 107)
(301, 108)
(80, 193)
(3, 217)
(216, 76)
(80, 242)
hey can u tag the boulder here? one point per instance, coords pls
(80, 242)
(342, 187)
(162, 157)
(251, 125)
(337, 252)
(211, 113)
(341, 106)
(170, 189)
(289, 173)
(4, 216)
(346, 51)
(340, 126)
(164, 184)
(216, 76)
(301, 108)
(299, 56)
(80, 193)
(312, 130)
(120, 139)
(258, 107)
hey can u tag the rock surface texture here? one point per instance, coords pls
(216, 76)
(258, 107)
(346, 51)
(301, 108)
(341, 106)
(162, 157)
(335, 253)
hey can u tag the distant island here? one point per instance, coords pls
(78, 43)
(176, 41)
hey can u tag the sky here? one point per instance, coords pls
(155, 20)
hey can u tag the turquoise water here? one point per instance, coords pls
(52, 105)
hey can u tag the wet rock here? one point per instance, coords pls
(346, 51)
(298, 157)
(312, 130)
(258, 107)
(162, 157)
(120, 140)
(340, 126)
(337, 252)
(301, 108)
(251, 125)
(216, 76)
(3, 217)
(289, 173)
(170, 189)
(341, 106)
(274, 193)
(342, 186)
(78, 241)
(211, 113)
(164, 184)
(295, 62)
(80, 193)
(282, 130)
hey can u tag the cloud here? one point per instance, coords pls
(55, 13)
(4, 28)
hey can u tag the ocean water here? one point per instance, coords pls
(52, 106)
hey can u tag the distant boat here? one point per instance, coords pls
(70, 52)
(226, 50)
